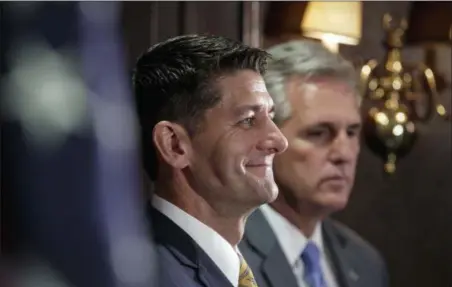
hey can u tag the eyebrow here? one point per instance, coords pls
(356, 125)
(238, 111)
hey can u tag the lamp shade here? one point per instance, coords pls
(430, 22)
(338, 21)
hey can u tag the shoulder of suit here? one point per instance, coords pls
(352, 237)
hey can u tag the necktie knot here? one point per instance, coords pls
(313, 272)
(246, 277)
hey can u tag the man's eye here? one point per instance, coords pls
(316, 133)
(248, 121)
(353, 133)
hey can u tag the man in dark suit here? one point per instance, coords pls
(208, 141)
(292, 242)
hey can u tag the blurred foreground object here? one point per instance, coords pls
(401, 96)
(70, 167)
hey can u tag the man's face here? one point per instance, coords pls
(233, 153)
(318, 168)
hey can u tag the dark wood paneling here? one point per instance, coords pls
(407, 217)
(147, 23)
(136, 27)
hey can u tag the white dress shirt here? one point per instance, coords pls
(293, 242)
(219, 250)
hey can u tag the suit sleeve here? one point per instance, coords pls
(384, 273)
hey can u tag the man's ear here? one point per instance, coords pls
(172, 143)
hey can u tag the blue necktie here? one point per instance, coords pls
(312, 270)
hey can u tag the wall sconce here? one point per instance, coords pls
(400, 96)
(333, 23)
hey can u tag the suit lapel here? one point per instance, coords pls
(277, 270)
(185, 249)
(341, 257)
(209, 273)
(275, 267)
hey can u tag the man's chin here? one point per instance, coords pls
(274, 192)
(332, 205)
(270, 189)
(266, 192)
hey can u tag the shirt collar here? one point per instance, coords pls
(216, 247)
(290, 238)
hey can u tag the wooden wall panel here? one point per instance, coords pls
(147, 23)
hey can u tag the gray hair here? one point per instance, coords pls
(307, 59)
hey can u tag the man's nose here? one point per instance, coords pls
(343, 149)
(274, 141)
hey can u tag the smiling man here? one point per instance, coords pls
(208, 144)
(292, 242)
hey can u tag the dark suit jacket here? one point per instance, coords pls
(355, 262)
(182, 262)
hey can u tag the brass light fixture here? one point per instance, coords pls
(400, 96)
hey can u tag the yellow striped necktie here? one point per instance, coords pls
(246, 277)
